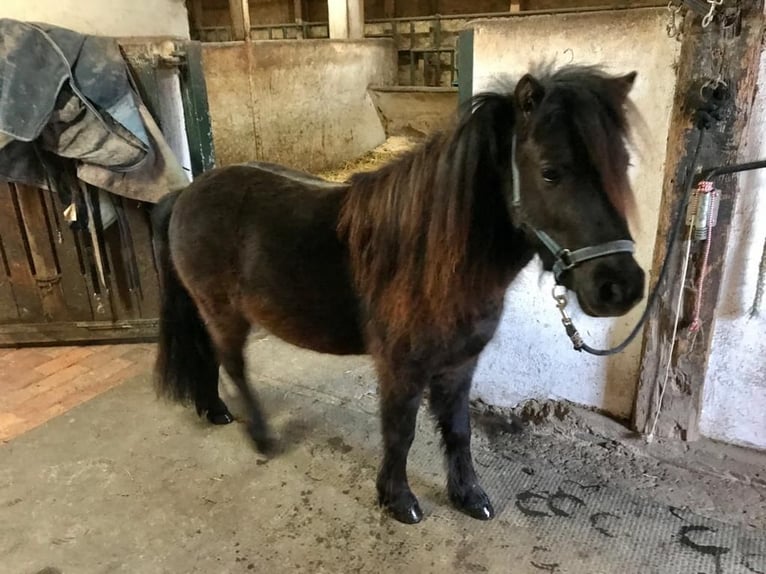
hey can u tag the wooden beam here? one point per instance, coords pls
(73, 333)
(337, 11)
(705, 53)
(355, 13)
(239, 11)
(195, 17)
(298, 11)
(389, 8)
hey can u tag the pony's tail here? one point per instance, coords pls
(186, 361)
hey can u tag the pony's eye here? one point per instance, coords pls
(550, 175)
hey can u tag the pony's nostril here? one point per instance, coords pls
(610, 292)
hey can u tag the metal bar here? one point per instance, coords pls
(711, 172)
(196, 111)
(437, 45)
(549, 11)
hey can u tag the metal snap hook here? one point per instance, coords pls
(559, 294)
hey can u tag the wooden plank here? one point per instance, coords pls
(199, 129)
(22, 280)
(699, 60)
(298, 11)
(389, 8)
(73, 280)
(355, 13)
(38, 231)
(8, 310)
(123, 305)
(99, 297)
(140, 230)
(196, 17)
(81, 332)
(239, 12)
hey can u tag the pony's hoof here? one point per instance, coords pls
(220, 418)
(475, 503)
(404, 508)
(262, 440)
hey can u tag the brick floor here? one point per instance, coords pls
(37, 384)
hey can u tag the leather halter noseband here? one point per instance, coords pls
(565, 259)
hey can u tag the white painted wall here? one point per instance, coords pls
(531, 357)
(734, 398)
(119, 18)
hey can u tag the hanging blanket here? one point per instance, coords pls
(71, 95)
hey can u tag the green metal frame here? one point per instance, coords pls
(465, 65)
(199, 130)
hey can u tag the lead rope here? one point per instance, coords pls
(674, 336)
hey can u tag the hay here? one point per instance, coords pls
(385, 152)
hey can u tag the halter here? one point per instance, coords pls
(565, 259)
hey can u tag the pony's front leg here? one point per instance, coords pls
(399, 405)
(449, 403)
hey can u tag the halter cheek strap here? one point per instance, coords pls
(564, 259)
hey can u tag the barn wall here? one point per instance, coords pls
(413, 111)
(531, 357)
(303, 104)
(734, 398)
(108, 18)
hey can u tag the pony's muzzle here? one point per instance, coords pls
(611, 286)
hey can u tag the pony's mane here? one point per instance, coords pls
(423, 231)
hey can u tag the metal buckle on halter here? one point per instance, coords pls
(565, 257)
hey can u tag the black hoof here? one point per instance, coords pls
(475, 503)
(404, 508)
(220, 417)
(262, 440)
(217, 413)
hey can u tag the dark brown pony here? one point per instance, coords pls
(408, 263)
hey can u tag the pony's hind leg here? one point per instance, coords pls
(207, 400)
(449, 394)
(229, 334)
(400, 400)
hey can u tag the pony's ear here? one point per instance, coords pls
(529, 93)
(623, 84)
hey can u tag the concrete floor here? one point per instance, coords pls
(128, 484)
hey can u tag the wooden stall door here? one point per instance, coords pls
(51, 291)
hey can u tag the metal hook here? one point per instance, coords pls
(672, 28)
(706, 21)
(560, 297)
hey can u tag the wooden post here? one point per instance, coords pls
(195, 17)
(516, 6)
(239, 10)
(705, 54)
(355, 13)
(298, 11)
(337, 12)
(389, 8)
